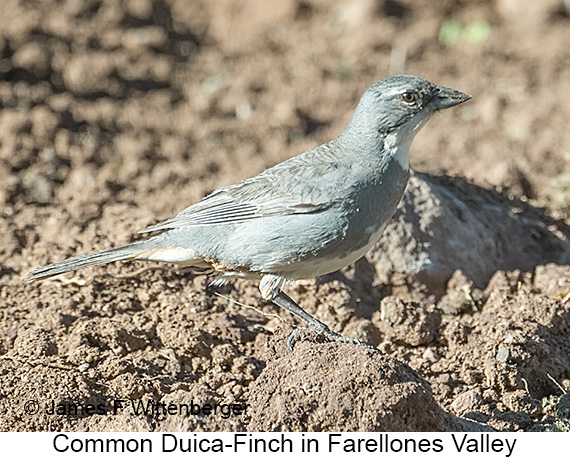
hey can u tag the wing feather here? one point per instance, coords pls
(225, 208)
(264, 195)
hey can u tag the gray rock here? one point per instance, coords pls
(444, 224)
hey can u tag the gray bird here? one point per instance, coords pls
(308, 216)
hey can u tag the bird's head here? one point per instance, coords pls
(403, 103)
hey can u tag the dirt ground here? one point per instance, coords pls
(117, 114)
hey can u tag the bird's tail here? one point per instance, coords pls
(129, 251)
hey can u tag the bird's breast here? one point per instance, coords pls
(375, 202)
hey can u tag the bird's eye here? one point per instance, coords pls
(409, 96)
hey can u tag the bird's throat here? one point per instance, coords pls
(398, 146)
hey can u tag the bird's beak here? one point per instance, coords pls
(446, 98)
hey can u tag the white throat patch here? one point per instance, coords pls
(398, 142)
(398, 146)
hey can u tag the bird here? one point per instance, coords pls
(308, 216)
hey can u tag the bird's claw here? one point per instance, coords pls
(323, 332)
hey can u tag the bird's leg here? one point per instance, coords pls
(286, 302)
(271, 291)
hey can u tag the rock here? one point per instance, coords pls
(407, 321)
(444, 224)
(467, 401)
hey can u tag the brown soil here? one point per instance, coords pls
(117, 114)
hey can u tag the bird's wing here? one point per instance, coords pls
(265, 195)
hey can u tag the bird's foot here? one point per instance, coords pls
(323, 332)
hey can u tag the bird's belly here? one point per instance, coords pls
(321, 265)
